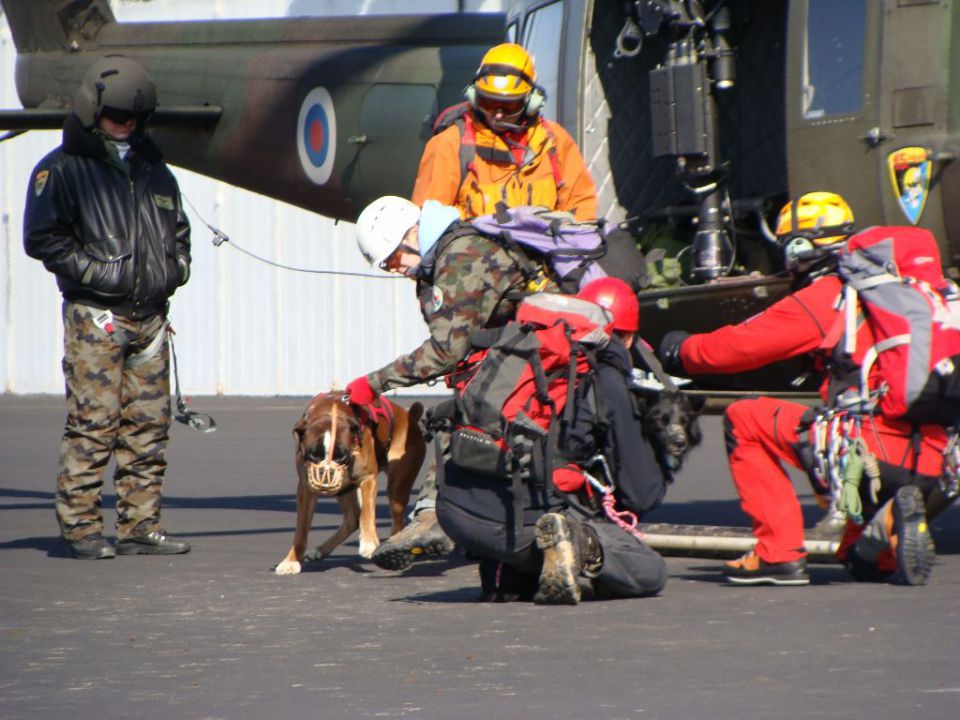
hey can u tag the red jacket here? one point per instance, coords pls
(795, 325)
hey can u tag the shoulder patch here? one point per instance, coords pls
(437, 300)
(164, 202)
(40, 182)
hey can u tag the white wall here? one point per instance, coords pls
(243, 327)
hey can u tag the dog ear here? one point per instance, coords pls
(695, 433)
(299, 429)
(697, 402)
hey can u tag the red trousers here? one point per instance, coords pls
(762, 434)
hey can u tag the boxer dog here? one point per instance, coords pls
(340, 449)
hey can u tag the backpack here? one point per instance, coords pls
(893, 276)
(552, 240)
(521, 383)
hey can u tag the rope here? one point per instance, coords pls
(201, 422)
(849, 501)
(623, 519)
(220, 237)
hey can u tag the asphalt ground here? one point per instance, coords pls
(215, 634)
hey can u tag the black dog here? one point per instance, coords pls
(671, 423)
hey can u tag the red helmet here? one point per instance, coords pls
(617, 297)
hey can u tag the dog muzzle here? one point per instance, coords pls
(325, 477)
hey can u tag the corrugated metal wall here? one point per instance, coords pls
(242, 326)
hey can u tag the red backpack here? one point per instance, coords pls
(894, 277)
(511, 390)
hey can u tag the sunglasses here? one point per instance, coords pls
(393, 259)
(504, 107)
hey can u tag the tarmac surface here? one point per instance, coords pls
(215, 634)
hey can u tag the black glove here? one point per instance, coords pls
(669, 351)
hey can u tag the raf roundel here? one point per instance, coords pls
(317, 135)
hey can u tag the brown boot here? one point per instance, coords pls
(421, 539)
(569, 551)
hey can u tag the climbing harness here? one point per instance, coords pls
(842, 459)
(950, 480)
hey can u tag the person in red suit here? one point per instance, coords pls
(764, 433)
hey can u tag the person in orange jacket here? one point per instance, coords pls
(763, 433)
(500, 148)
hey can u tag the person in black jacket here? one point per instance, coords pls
(104, 215)
(564, 539)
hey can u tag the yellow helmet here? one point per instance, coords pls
(823, 218)
(505, 85)
(812, 228)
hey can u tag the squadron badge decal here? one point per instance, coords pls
(437, 299)
(317, 135)
(40, 181)
(910, 169)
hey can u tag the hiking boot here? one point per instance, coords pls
(914, 545)
(830, 526)
(154, 543)
(92, 547)
(568, 550)
(501, 583)
(751, 569)
(862, 570)
(421, 539)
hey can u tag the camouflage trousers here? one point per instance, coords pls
(113, 410)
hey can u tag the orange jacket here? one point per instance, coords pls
(497, 174)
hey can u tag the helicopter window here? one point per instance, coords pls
(833, 58)
(541, 37)
(511, 34)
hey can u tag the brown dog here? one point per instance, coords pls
(340, 454)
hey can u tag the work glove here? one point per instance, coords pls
(568, 478)
(669, 352)
(359, 392)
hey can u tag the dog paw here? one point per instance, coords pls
(287, 567)
(367, 547)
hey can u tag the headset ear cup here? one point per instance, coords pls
(797, 250)
(470, 93)
(535, 101)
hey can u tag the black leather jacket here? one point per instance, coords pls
(113, 232)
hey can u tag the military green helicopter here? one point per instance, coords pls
(698, 118)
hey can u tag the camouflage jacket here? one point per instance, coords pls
(474, 284)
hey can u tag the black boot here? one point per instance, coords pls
(92, 547)
(154, 543)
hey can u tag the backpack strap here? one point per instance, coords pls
(552, 153)
(463, 119)
(655, 367)
(468, 148)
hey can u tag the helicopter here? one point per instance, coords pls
(698, 118)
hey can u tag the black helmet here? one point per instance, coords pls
(114, 82)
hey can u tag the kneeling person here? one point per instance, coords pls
(555, 532)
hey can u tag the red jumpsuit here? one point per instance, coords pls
(763, 432)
